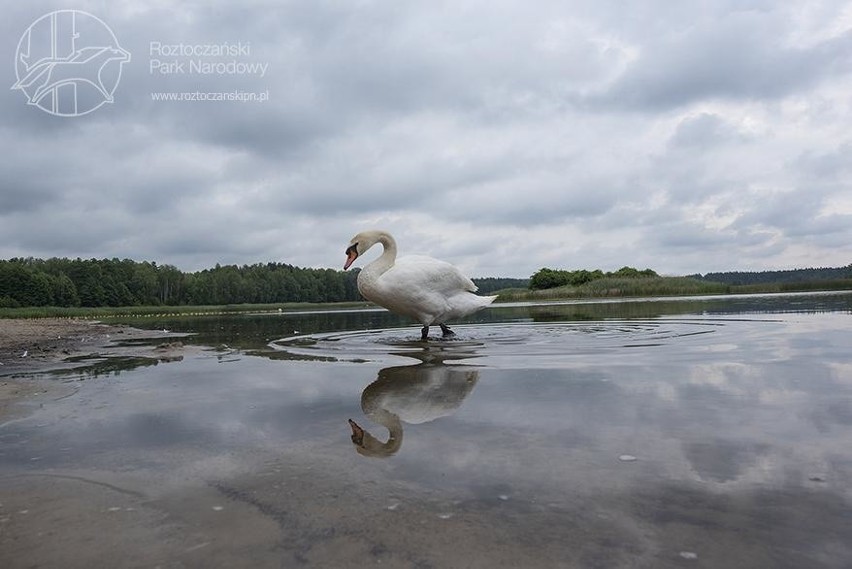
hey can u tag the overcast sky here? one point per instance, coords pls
(501, 136)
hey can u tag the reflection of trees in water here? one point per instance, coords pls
(610, 310)
(255, 331)
(411, 394)
(651, 308)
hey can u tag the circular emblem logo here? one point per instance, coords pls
(68, 63)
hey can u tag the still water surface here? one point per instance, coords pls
(701, 432)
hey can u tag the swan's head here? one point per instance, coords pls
(359, 244)
(368, 445)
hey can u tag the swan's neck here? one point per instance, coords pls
(370, 274)
(371, 446)
(388, 256)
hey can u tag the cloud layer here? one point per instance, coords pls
(685, 138)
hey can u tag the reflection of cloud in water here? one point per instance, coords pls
(743, 453)
(722, 460)
(745, 418)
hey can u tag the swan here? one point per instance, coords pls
(425, 289)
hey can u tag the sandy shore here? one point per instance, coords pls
(33, 345)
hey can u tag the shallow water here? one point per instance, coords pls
(710, 432)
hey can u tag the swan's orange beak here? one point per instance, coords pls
(351, 255)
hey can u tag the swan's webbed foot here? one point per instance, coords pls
(445, 332)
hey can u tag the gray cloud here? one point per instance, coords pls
(704, 132)
(745, 55)
(683, 138)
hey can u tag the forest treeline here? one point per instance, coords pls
(113, 282)
(488, 285)
(808, 275)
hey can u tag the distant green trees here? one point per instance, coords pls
(789, 276)
(552, 278)
(114, 282)
(59, 282)
(20, 285)
(492, 284)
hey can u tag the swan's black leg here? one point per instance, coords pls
(424, 333)
(446, 330)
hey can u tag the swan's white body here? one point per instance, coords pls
(426, 289)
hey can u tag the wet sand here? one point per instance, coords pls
(33, 345)
(51, 519)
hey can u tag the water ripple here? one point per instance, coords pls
(535, 343)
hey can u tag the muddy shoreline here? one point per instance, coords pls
(32, 346)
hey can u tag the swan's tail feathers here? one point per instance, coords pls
(486, 300)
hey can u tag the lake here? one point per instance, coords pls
(678, 432)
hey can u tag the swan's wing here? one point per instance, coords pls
(438, 276)
(425, 289)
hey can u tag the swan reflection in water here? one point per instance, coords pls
(410, 394)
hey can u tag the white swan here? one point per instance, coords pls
(425, 289)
